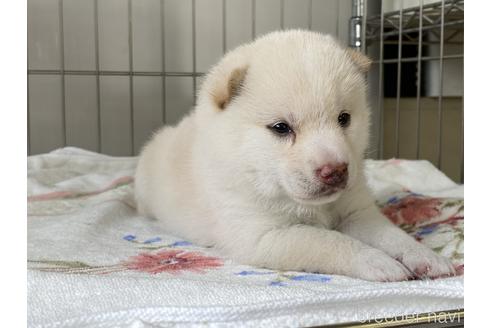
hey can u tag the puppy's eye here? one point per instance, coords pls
(344, 119)
(280, 128)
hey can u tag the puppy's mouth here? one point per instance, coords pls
(324, 195)
(311, 190)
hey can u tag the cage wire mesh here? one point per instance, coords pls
(417, 80)
(416, 47)
(106, 37)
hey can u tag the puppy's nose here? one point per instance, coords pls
(333, 175)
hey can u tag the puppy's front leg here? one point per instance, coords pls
(370, 226)
(307, 248)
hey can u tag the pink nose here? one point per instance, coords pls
(333, 175)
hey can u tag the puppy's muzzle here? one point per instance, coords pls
(333, 175)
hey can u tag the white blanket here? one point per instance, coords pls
(93, 262)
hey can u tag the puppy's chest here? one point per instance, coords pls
(319, 217)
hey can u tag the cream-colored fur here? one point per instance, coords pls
(222, 178)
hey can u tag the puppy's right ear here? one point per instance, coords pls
(360, 60)
(226, 80)
(227, 86)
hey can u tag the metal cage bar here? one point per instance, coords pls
(282, 14)
(419, 79)
(130, 65)
(28, 117)
(62, 75)
(193, 46)
(381, 88)
(441, 75)
(423, 58)
(163, 61)
(417, 27)
(363, 27)
(253, 19)
(111, 73)
(224, 30)
(310, 15)
(357, 25)
(462, 168)
(98, 78)
(398, 83)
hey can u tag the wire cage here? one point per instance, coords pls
(416, 83)
(104, 74)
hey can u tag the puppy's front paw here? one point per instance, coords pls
(424, 263)
(375, 265)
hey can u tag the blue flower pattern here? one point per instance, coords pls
(129, 237)
(156, 240)
(426, 230)
(281, 278)
(153, 240)
(181, 243)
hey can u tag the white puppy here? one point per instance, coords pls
(269, 166)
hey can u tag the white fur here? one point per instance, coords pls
(222, 178)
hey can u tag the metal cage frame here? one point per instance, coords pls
(98, 72)
(425, 19)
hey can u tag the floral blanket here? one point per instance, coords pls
(93, 262)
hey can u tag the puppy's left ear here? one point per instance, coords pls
(226, 80)
(360, 60)
(230, 87)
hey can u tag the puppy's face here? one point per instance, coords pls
(299, 112)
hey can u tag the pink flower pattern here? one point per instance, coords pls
(436, 222)
(412, 209)
(424, 218)
(172, 261)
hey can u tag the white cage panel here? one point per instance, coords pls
(116, 116)
(178, 35)
(79, 30)
(148, 98)
(147, 36)
(82, 117)
(43, 34)
(46, 116)
(103, 74)
(180, 89)
(113, 26)
(209, 33)
(238, 22)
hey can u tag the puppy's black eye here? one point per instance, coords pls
(344, 119)
(280, 128)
